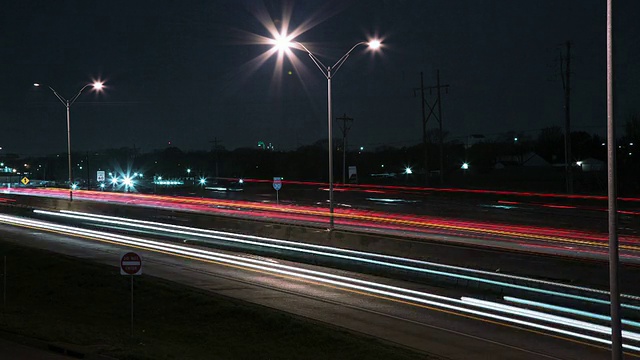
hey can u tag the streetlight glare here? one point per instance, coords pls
(374, 44)
(282, 42)
(98, 85)
(36, 84)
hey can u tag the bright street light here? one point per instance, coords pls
(98, 86)
(283, 43)
(375, 44)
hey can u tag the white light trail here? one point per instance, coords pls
(392, 292)
(298, 247)
(567, 310)
(560, 320)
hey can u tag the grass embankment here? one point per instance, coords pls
(61, 299)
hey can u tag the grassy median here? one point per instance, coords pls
(57, 298)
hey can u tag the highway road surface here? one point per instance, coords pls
(466, 314)
(499, 226)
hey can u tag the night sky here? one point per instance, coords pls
(184, 72)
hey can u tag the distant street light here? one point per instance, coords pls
(284, 43)
(98, 86)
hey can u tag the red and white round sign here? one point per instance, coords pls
(131, 264)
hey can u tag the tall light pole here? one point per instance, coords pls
(612, 198)
(282, 43)
(97, 85)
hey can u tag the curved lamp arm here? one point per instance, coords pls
(315, 60)
(344, 57)
(73, 99)
(325, 69)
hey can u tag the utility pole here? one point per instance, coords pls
(424, 130)
(346, 126)
(88, 173)
(439, 118)
(612, 198)
(215, 149)
(566, 83)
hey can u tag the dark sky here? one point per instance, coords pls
(181, 71)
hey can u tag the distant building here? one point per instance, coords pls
(529, 159)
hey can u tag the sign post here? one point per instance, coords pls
(277, 185)
(131, 264)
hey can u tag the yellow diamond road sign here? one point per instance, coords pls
(25, 180)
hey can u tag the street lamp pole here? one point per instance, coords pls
(612, 199)
(97, 85)
(329, 72)
(68, 106)
(330, 126)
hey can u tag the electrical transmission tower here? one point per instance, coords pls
(438, 118)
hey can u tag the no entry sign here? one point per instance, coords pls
(131, 264)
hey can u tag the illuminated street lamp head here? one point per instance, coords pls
(36, 84)
(98, 85)
(374, 44)
(282, 42)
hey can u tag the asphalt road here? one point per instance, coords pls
(428, 318)
(534, 209)
(556, 229)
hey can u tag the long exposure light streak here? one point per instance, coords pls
(359, 217)
(567, 310)
(560, 320)
(362, 256)
(347, 283)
